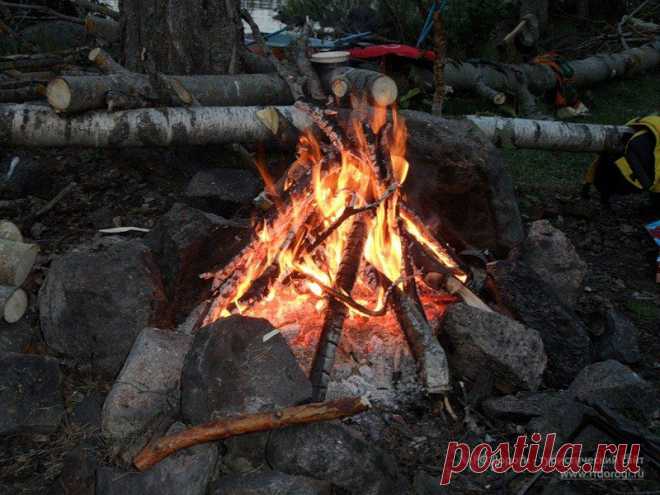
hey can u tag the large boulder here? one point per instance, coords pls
(30, 394)
(93, 305)
(147, 388)
(481, 340)
(230, 370)
(188, 242)
(551, 254)
(522, 293)
(270, 483)
(458, 179)
(187, 472)
(618, 341)
(614, 385)
(335, 453)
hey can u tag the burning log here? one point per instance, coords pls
(16, 261)
(249, 423)
(336, 311)
(13, 303)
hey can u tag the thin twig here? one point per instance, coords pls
(58, 197)
(45, 10)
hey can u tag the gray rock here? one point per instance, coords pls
(619, 341)
(617, 387)
(520, 407)
(481, 340)
(544, 412)
(551, 254)
(564, 417)
(270, 483)
(590, 436)
(147, 387)
(333, 452)
(16, 337)
(458, 183)
(93, 305)
(223, 190)
(187, 242)
(30, 394)
(528, 298)
(187, 472)
(230, 370)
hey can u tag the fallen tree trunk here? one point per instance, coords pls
(40, 61)
(249, 423)
(552, 135)
(69, 94)
(539, 78)
(13, 303)
(20, 95)
(32, 125)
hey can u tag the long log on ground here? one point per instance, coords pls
(552, 135)
(33, 125)
(40, 61)
(16, 261)
(13, 303)
(380, 89)
(539, 78)
(249, 423)
(70, 94)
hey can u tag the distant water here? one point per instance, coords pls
(263, 12)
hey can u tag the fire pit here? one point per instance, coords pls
(334, 253)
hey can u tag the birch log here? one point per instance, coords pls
(13, 303)
(539, 78)
(552, 135)
(69, 94)
(16, 261)
(378, 88)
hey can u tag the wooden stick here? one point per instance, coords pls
(336, 312)
(16, 261)
(13, 303)
(249, 423)
(508, 39)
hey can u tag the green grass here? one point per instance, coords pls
(614, 102)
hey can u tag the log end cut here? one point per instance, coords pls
(59, 94)
(384, 91)
(13, 303)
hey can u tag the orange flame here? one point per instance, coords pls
(352, 182)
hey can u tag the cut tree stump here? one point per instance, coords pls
(16, 261)
(13, 303)
(249, 423)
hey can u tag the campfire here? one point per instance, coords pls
(337, 249)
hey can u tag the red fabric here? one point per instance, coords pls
(377, 51)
